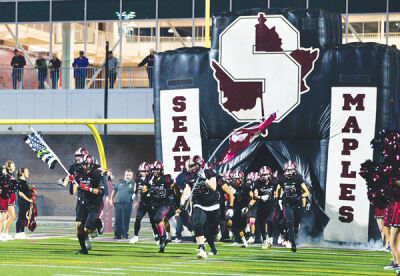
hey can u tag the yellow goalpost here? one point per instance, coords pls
(88, 122)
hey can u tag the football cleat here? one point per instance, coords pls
(245, 243)
(202, 254)
(134, 240)
(162, 247)
(265, 244)
(281, 239)
(392, 266)
(213, 252)
(82, 252)
(100, 227)
(218, 236)
(177, 240)
(251, 240)
(88, 244)
(294, 248)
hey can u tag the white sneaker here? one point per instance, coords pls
(2, 237)
(218, 236)
(134, 240)
(88, 244)
(230, 234)
(202, 254)
(20, 236)
(251, 240)
(7, 237)
(288, 244)
(280, 239)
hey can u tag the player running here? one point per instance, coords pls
(142, 179)
(160, 188)
(89, 185)
(264, 194)
(203, 184)
(242, 204)
(294, 193)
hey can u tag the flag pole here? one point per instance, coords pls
(216, 150)
(50, 150)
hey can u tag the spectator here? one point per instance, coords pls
(80, 70)
(17, 62)
(121, 198)
(149, 60)
(112, 68)
(54, 65)
(41, 65)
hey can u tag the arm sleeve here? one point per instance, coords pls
(144, 61)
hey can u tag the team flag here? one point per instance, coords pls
(42, 152)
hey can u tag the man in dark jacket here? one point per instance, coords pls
(80, 70)
(17, 62)
(149, 60)
(54, 65)
(41, 65)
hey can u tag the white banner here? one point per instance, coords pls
(353, 116)
(180, 127)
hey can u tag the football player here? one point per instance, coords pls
(225, 198)
(251, 179)
(160, 188)
(264, 194)
(205, 211)
(142, 179)
(89, 185)
(242, 204)
(294, 194)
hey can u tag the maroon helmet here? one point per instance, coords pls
(250, 176)
(196, 163)
(87, 159)
(157, 165)
(265, 170)
(81, 152)
(256, 176)
(237, 178)
(228, 175)
(144, 167)
(290, 168)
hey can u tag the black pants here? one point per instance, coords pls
(205, 222)
(23, 207)
(17, 77)
(54, 75)
(293, 215)
(42, 75)
(150, 76)
(239, 222)
(113, 77)
(80, 82)
(122, 217)
(144, 207)
(266, 214)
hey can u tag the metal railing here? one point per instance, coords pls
(75, 78)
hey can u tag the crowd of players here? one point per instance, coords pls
(212, 206)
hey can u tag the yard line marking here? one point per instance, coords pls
(99, 272)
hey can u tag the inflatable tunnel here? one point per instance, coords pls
(330, 100)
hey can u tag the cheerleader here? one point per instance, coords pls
(24, 202)
(9, 183)
(384, 230)
(3, 203)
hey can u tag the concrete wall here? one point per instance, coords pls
(62, 104)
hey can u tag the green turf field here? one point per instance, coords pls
(56, 256)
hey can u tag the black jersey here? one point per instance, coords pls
(93, 179)
(23, 187)
(75, 169)
(159, 189)
(264, 188)
(220, 192)
(291, 189)
(202, 195)
(242, 196)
